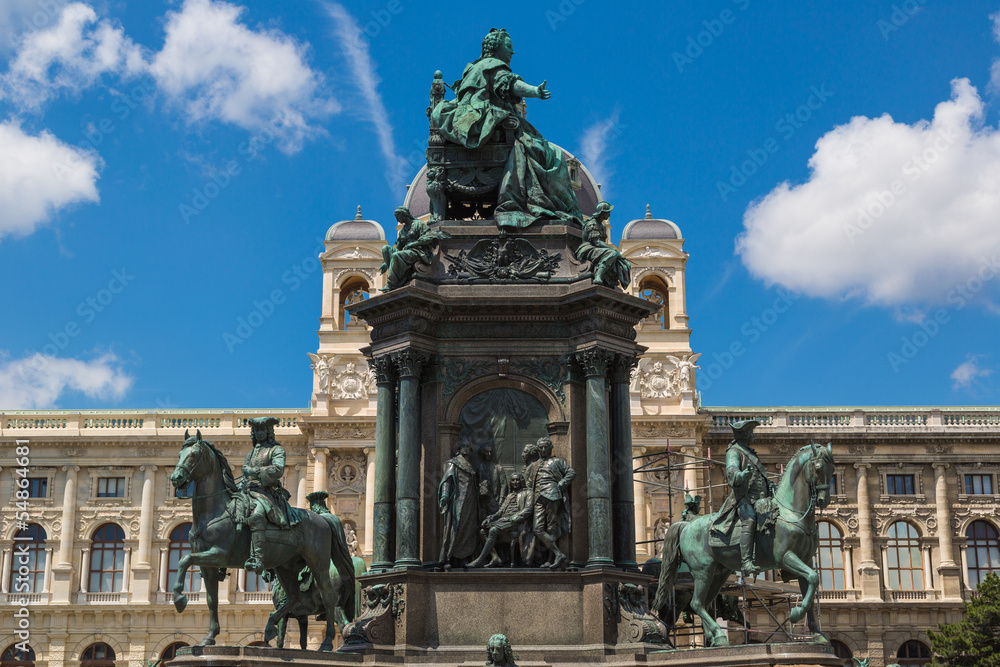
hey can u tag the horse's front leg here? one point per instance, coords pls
(213, 556)
(808, 583)
(211, 577)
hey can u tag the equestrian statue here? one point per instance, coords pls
(779, 520)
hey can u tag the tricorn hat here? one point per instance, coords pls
(263, 421)
(744, 426)
(317, 497)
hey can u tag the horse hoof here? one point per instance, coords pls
(326, 646)
(820, 638)
(180, 602)
(207, 641)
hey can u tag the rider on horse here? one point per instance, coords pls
(748, 479)
(265, 499)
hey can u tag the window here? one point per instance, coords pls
(906, 571)
(14, 657)
(831, 557)
(107, 560)
(982, 554)
(186, 492)
(111, 487)
(979, 485)
(255, 583)
(840, 649)
(899, 485)
(835, 484)
(913, 654)
(38, 487)
(98, 655)
(653, 290)
(354, 290)
(170, 652)
(28, 562)
(180, 547)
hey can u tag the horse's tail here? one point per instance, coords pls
(341, 557)
(671, 563)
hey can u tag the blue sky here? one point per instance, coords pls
(165, 164)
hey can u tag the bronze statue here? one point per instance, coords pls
(493, 484)
(507, 524)
(499, 652)
(415, 243)
(748, 479)
(692, 507)
(535, 184)
(458, 500)
(549, 478)
(609, 267)
(529, 455)
(265, 499)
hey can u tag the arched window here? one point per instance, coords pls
(28, 568)
(653, 289)
(170, 652)
(983, 552)
(354, 290)
(840, 649)
(107, 560)
(98, 655)
(180, 547)
(913, 653)
(906, 567)
(15, 657)
(831, 557)
(505, 418)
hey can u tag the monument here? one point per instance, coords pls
(503, 321)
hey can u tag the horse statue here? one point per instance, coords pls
(790, 546)
(218, 542)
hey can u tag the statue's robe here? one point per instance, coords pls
(535, 183)
(461, 522)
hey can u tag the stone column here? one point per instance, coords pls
(68, 516)
(46, 586)
(85, 571)
(383, 481)
(409, 363)
(319, 469)
(848, 568)
(369, 498)
(871, 585)
(6, 568)
(639, 498)
(965, 565)
(622, 491)
(599, 541)
(949, 572)
(165, 570)
(301, 490)
(928, 578)
(126, 570)
(146, 515)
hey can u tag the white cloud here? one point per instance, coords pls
(71, 54)
(216, 68)
(37, 381)
(594, 148)
(892, 213)
(355, 48)
(40, 175)
(968, 372)
(19, 18)
(995, 69)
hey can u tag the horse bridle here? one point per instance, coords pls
(814, 491)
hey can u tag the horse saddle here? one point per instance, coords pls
(767, 514)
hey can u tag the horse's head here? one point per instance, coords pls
(821, 471)
(193, 462)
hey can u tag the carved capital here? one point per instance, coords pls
(594, 362)
(410, 363)
(941, 466)
(71, 468)
(384, 368)
(621, 368)
(862, 467)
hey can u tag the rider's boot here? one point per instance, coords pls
(747, 536)
(256, 545)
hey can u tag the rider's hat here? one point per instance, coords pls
(744, 426)
(263, 421)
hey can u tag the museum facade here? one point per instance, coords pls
(91, 539)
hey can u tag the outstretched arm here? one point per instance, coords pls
(522, 89)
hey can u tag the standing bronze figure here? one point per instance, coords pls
(493, 483)
(549, 480)
(458, 501)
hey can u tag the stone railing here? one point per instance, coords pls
(845, 595)
(23, 423)
(860, 419)
(257, 596)
(105, 598)
(27, 598)
(904, 596)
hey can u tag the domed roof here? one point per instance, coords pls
(650, 228)
(588, 195)
(357, 229)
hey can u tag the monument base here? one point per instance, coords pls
(589, 617)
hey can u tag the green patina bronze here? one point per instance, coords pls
(535, 184)
(609, 267)
(415, 244)
(219, 537)
(790, 545)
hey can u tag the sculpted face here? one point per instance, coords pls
(516, 482)
(544, 447)
(505, 50)
(465, 450)
(486, 453)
